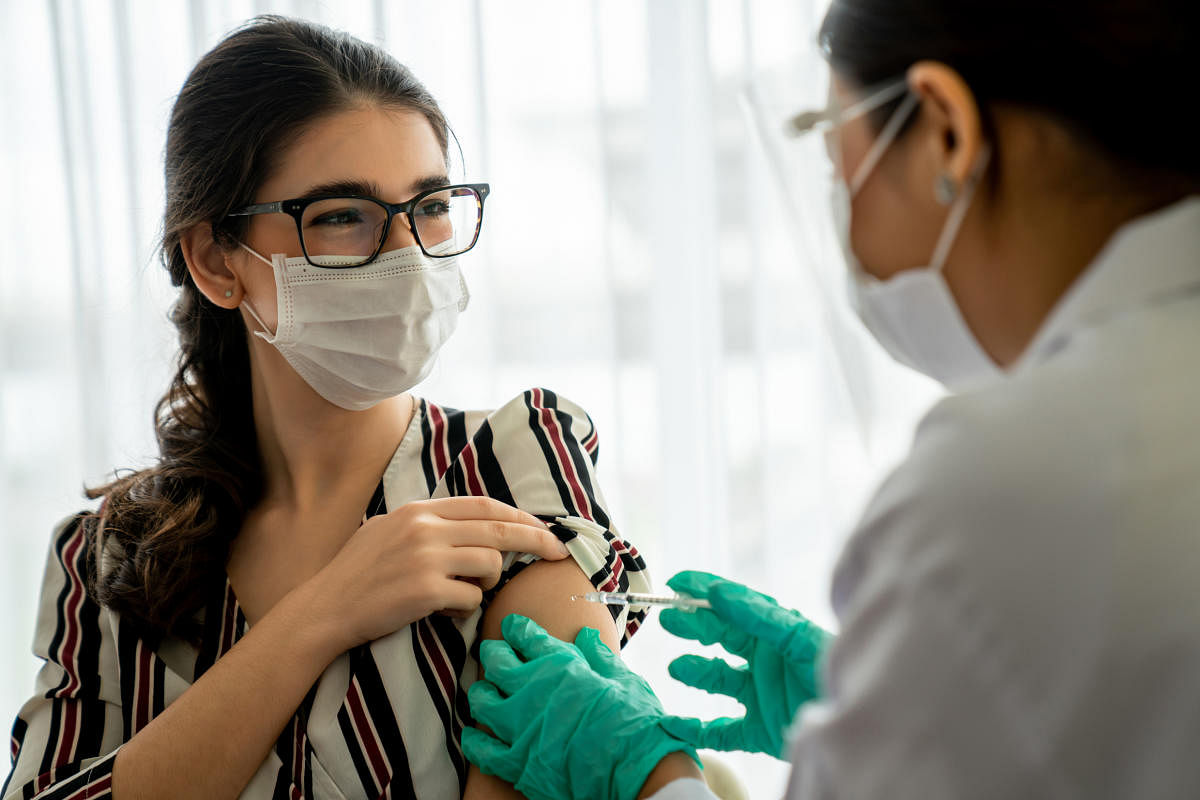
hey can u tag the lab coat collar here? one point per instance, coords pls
(1147, 260)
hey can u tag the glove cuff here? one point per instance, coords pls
(630, 776)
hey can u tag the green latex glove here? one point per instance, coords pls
(570, 720)
(781, 649)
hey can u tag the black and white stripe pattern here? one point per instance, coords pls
(385, 719)
(66, 721)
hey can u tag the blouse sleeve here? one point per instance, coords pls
(65, 738)
(538, 453)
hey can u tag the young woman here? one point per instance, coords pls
(288, 603)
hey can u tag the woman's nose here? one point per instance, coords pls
(399, 235)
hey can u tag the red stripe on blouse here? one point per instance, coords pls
(70, 735)
(144, 686)
(68, 653)
(550, 424)
(437, 440)
(93, 789)
(298, 760)
(432, 647)
(229, 623)
(470, 466)
(367, 737)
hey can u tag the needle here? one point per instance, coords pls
(638, 599)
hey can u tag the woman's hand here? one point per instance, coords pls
(424, 557)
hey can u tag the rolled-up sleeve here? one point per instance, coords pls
(538, 453)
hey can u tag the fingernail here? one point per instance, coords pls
(562, 548)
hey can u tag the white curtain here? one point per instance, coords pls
(638, 256)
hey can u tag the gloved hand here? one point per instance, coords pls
(570, 720)
(781, 649)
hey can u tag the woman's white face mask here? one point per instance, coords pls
(363, 334)
(913, 314)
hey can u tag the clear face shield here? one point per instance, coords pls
(802, 169)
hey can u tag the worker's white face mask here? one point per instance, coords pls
(360, 335)
(913, 314)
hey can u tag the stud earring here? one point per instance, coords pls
(229, 292)
(945, 189)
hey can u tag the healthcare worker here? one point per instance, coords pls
(1019, 606)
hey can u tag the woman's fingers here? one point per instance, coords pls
(486, 522)
(507, 537)
(425, 557)
(453, 614)
(481, 508)
(481, 563)
(431, 556)
(458, 596)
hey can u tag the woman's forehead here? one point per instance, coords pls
(394, 150)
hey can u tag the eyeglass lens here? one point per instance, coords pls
(446, 223)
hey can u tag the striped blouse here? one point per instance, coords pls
(384, 719)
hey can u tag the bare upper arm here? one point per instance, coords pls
(542, 591)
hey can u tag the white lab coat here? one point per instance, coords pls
(1020, 604)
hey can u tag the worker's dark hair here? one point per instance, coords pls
(165, 531)
(1120, 73)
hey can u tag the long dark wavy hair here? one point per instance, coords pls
(161, 537)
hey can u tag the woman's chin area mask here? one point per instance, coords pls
(360, 335)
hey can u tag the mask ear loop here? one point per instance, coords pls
(958, 211)
(889, 133)
(255, 253)
(265, 334)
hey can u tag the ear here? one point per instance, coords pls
(948, 104)
(208, 264)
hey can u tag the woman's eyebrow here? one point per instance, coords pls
(344, 186)
(358, 186)
(432, 182)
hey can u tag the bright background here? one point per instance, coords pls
(641, 255)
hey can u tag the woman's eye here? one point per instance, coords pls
(434, 208)
(346, 216)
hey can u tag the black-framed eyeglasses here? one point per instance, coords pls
(342, 231)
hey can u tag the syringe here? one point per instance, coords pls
(681, 601)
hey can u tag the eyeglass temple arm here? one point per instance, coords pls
(829, 116)
(259, 208)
